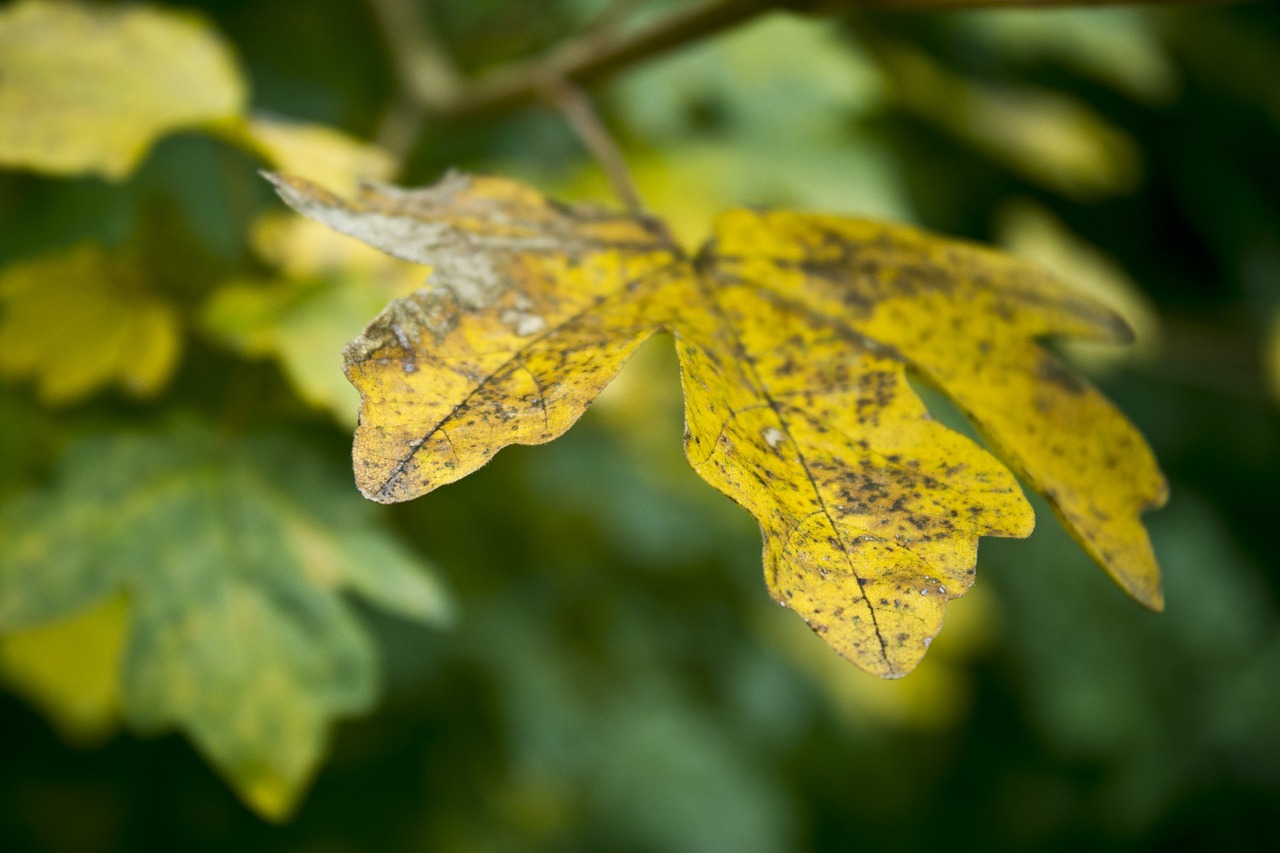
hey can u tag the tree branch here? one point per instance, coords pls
(577, 110)
(440, 89)
(422, 65)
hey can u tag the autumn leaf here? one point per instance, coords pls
(233, 556)
(325, 294)
(83, 318)
(327, 156)
(1054, 140)
(795, 334)
(90, 88)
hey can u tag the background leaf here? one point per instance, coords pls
(83, 318)
(79, 85)
(305, 319)
(233, 557)
(71, 668)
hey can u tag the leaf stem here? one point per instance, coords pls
(425, 70)
(577, 109)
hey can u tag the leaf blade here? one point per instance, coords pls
(530, 310)
(78, 91)
(967, 318)
(234, 558)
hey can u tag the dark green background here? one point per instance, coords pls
(609, 686)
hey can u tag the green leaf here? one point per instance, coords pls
(233, 555)
(327, 291)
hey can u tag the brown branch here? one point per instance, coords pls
(598, 54)
(578, 111)
(422, 65)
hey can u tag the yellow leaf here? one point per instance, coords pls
(1049, 138)
(967, 319)
(1030, 231)
(329, 290)
(795, 334)
(78, 320)
(71, 669)
(328, 157)
(90, 88)
(485, 363)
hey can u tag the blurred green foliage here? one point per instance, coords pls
(616, 678)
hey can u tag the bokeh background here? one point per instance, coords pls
(614, 675)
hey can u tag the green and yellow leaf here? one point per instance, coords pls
(234, 556)
(88, 89)
(81, 319)
(303, 320)
(70, 669)
(795, 334)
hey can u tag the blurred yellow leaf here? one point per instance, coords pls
(90, 88)
(330, 289)
(77, 320)
(1049, 138)
(234, 554)
(1030, 231)
(70, 669)
(794, 333)
(330, 157)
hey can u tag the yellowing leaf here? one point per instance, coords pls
(795, 334)
(1049, 138)
(71, 668)
(1034, 233)
(327, 156)
(331, 288)
(485, 363)
(90, 88)
(233, 555)
(78, 320)
(967, 319)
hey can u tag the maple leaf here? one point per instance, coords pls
(795, 333)
(79, 319)
(88, 89)
(233, 557)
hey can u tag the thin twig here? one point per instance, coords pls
(423, 66)
(400, 127)
(581, 115)
(597, 54)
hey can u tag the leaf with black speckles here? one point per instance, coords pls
(795, 335)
